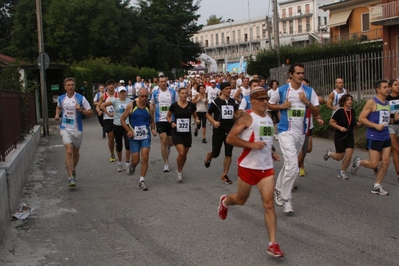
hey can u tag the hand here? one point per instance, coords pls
(343, 129)
(258, 145)
(380, 127)
(100, 113)
(359, 124)
(302, 97)
(173, 125)
(320, 121)
(396, 117)
(154, 132)
(197, 121)
(57, 117)
(275, 156)
(286, 105)
(77, 106)
(216, 124)
(130, 134)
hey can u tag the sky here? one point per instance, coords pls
(234, 9)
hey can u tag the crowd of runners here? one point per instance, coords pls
(244, 112)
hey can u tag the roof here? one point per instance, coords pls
(6, 60)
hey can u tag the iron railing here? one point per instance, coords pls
(18, 117)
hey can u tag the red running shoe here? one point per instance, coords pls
(222, 211)
(274, 250)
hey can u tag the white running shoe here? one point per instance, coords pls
(287, 206)
(166, 168)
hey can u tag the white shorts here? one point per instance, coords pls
(74, 137)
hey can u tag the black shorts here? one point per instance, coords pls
(202, 119)
(378, 145)
(164, 127)
(181, 138)
(218, 138)
(121, 134)
(108, 125)
(274, 116)
(342, 144)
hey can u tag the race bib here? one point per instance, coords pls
(296, 114)
(68, 119)
(140, 132)
(183, 125)
(384, 117)
(394, 104)
(227, 112)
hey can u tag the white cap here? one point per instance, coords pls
(213, 81)
(121, 88)
(122, 81)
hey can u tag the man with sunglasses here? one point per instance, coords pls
(254, 131)
(292, 100)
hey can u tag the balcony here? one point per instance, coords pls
(385, 14)
(291, 16)
(374, 35)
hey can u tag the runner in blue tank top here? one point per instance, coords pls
(376, 117)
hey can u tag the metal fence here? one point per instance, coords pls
(359, 73)
(18, 116)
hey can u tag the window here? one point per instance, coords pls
(299, 25)
(299, 9)
(228, 40)
(307, 10)
(217, 39)
(196, 39)
(258, 32)
(365, 22)
(222, 37)
(290, 11)
(239, 35)
(291, 27)
(284, 27)
(202, 39)
(318, 21)
(233, 35)
(325, 21)
(307, 24)
(245, 37)
(206, 43)
(283, 12)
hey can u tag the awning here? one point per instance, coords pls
(339, 18)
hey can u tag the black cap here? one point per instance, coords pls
(225, 85)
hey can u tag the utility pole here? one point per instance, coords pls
(276, 31)
(269, 34)
(42, 66)
(249, 31)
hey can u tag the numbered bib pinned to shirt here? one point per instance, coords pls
(140, 132)
(183, 125)
(227, 112)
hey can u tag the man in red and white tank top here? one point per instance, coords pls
(254, 131)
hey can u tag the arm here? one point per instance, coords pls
(367, 109)
(321, 100)
(313, 104)
(169, 119)
(237, 95)
(104, 107)
(195, 99)
(126, 113)
(58, 111)
(333, 123)
(98, 106)
(330, 99)
(243, 122)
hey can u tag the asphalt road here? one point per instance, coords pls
(107, 220)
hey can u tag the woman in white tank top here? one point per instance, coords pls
(201, 102)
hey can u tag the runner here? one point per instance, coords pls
(72, 106)
(201, 103)
(376, 117)
(95, 102)
(253, 131)
(118, 106)
(108, 121)
(343, 120)
(333, 98)
(393, 99)
(182, 110)
(161, 100)
(293, 100)
(141, 120)
(221, 115)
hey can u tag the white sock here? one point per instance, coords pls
(358, 163)
(224, 205)
(377, 185)
(328, 153)
(141, 178)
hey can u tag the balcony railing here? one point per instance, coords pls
(359, 36)
(384, 11)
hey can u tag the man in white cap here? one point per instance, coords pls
(212, 92)
(121, 85)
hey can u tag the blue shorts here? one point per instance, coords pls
(378, 145)
(137, 145)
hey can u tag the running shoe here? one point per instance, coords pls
(287, 206)
(355, 165)
(104, 135)
(326, 156)
(222, 210)
(179, 176)
(204, 141)
(131, 169)
(166, 168)
(342, 175)
(379, 190)
(225, 179)
(196, 132)
(72, 182)
(207, 162)
(274, 250)
(278, 198)
(302, 172)
(112, 159)
(120, 167)
(142, 186)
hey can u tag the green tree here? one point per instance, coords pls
(213, 20)
(168, 27)
(7, 10)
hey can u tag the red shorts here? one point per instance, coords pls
(253, 176)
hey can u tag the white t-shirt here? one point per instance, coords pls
(212, 93)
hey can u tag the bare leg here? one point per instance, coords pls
(348, 158)
(111, 144)
(164, 147)
(266, 189)
(226, 165)
(144, 161)
(182, 157)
